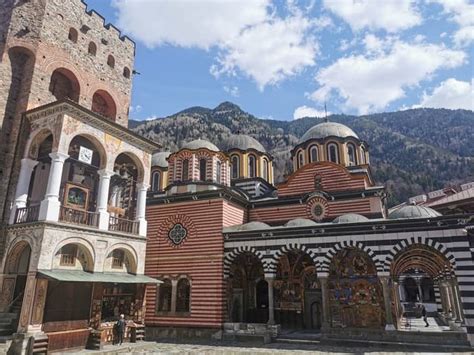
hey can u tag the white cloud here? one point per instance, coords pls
(250, 37)
(269, 52)
(462, 12)
(232, 90)
(185, 23)
(452, 94)
(305, 111)
(390, 15)
(371, 83)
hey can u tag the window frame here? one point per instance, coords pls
(336, 151)
(252, 167)
(313, 148)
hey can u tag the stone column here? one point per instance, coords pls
(396, 293)
(38, 305)
(103, 198)
(174, 289)
(420, 291)
(452, 302)
(271, 304)
(385, 280)
(445, 298)
(141, 208)
(323, 279)
(457, 303)
(49, 209)
(21, 194)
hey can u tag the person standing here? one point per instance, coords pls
(120, 325)
(423, 314)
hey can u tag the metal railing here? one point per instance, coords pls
(123, 225)
(27, 214)
(71, 215)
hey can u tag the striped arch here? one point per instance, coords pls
(292, 247)
(327, 259)
(403, 244)
(230, 257)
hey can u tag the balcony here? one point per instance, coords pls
(27, 214)
(73, 216)
(123, 225)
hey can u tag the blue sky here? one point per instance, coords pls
(285, 59)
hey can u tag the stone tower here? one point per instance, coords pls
(52, 50)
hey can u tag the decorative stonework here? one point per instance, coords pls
(317, 208)
(177, 234)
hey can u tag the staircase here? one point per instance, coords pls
(7, 324)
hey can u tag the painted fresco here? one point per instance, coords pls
(355, 293)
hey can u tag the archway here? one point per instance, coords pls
(355, 293)
(297, 292)
(104, 104)
(420, 269)
(64, 85)
(247, 300)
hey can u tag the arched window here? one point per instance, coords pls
(155, 181)
(218, 171)
(92, 48)
(126, 72)
(68, 255)
(252, 166)
(365, 158)
(265, 169)
(299, 159)
(183, 292)
(333, 154)
(103, 104)
(202, 169)
(164, 296)
(235, 167)
(64, 85)
(72, 36)
(111, 61)
(313, 154)
(185, 171)
(351, 154)
(118, 258)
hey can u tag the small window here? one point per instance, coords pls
(351, 154)
(313, 154)
(235, 167)
(111, 61)
(185, 172)
(218, 171)
(68, 255)
(265, 169)
(118, 258)
(202, 169)
(72, 36)
(164, 296)
(300, 160)
(155, 181)
(252, 166)
(183, 292)
(92, 48)
(333, 154)
(126, 72)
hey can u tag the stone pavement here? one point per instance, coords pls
(243, 349)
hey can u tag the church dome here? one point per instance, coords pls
(350, 218)
(300, 222)
(159, 159)
(327, 129)
(242, 142)
(412, 211)
(200, 143)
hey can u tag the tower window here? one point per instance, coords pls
(313, 154)
(185, 172)
(126, 72)
(265, 169)
(202, 169)
(351, 154)
(218, 171)
(333, 154)
(92, 48)
(235, 167)
(252, 166)
(300, 160)
(155, 181)
(111, 61)
(72, 36)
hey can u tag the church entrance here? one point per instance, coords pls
(297, 292)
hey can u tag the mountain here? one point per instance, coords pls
(411, 152)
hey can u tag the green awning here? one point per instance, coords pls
(83, 276)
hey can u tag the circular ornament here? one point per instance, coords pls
(177, 234)
(317, 208)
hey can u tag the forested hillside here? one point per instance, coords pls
(411, 151)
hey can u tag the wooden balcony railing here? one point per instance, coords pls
(71, 215)
(27, 214)
(123, 225)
